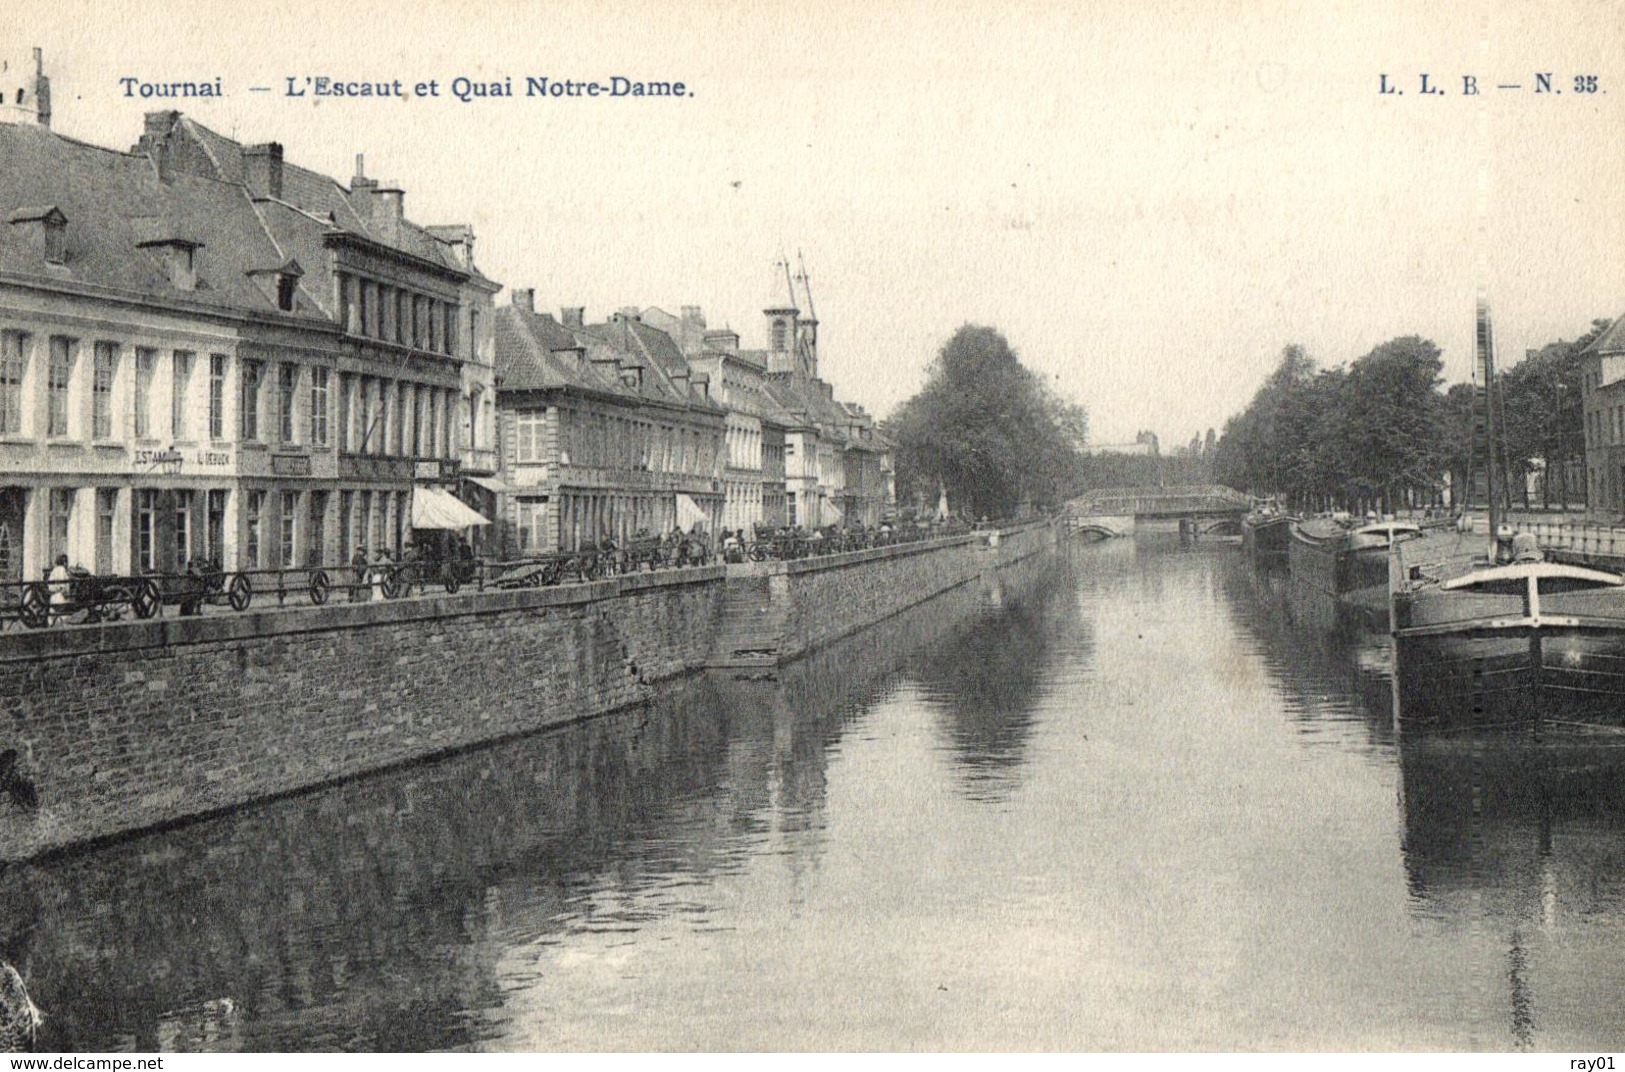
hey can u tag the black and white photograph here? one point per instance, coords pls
(808, 526)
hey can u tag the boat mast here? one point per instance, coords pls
(1486, 358)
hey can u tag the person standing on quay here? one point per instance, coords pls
(59, 577)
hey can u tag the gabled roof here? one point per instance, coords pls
(1611, 341)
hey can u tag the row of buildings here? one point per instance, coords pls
(208, 351)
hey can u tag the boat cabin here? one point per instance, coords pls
(1382, 534)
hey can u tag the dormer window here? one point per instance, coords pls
(280, 283)
(178, 259)
(48, 227)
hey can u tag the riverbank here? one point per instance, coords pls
(146, 723)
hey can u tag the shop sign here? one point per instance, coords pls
(290, 465)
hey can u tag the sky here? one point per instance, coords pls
(1150, 200)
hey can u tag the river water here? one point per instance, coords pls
(1129, 795)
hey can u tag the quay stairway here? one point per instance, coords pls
(750, 634)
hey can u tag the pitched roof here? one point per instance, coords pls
(1611, 341)
(533, 352)
(113, 203)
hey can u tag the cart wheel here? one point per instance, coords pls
(36, 607)
(551, 574)
(392, 585)
(591, 568)
(319, 585)
(240, 592)
(452, 582)
(147, 600)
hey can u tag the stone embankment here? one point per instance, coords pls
(144, 723)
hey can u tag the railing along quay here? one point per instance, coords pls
(94, 599)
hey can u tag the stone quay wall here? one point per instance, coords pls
(140, 724)
(832, 596)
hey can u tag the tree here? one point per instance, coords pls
(1545, 420)
(986, 429)
(1391, 411)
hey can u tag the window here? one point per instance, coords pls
(285, 287)
(145, 361)
(215, 531)
(416, 431)
(318, 405)
(316, 529)
(347, 302)
(59, 379)
(106, 505)
(363, 522)
(451, 329)
(346, 405)
(255, 515)
(60, 506)
(346, 542)
(183, 529)
(180, 377)
(11, 382)
(146, 529)
(474, 333)
(528, 427)
(217, 396)
(252, 372)
(531, 515)
(363, 322)
(290, 517)
(101, 390)
(287, 392)
(403, 301)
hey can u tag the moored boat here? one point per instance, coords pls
(1512, 644)
(1328, 555)
(1530, 648)
(1267, 532)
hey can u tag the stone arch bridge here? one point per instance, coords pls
(1101, 506)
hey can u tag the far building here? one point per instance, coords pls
(1602, 377)
(607, 432)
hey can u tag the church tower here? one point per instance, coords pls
(25, 92)
(807, 333)
(783, 333)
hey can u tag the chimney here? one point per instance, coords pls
(573, 316)
(629, 312)
(362, 189)
(154, 143)
(262, 169)
(725, 340)
(388, 209)
(525, 298)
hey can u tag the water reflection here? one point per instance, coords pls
(1124, 798)
(1332, 664)
(1527, 847)
(384, 913)
(988, 676)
